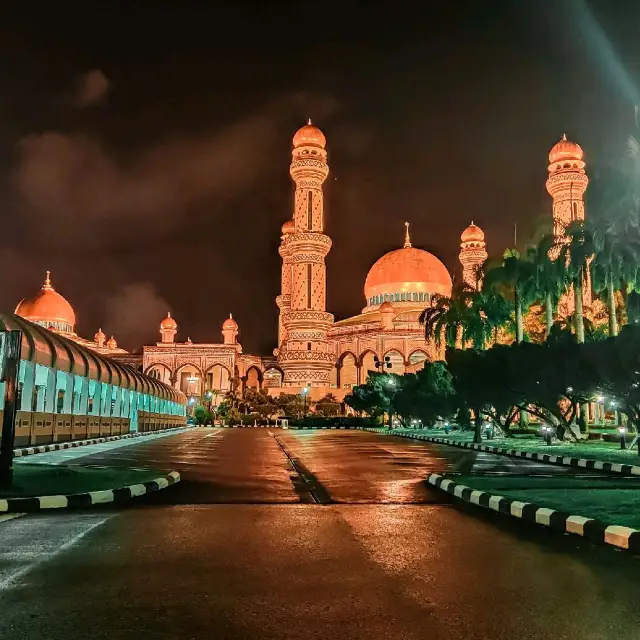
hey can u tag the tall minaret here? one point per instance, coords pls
(566, 184)
(284, 299)
(473, 253)
(303, 353)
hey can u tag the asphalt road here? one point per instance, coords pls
(307, 535)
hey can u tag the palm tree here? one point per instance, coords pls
(514, 277)
(547, 277)
(488, 312)
(575, 256)
(447, 317)
(615, 267)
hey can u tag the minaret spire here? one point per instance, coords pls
(47, 282)
(407, 237)
(303, 352)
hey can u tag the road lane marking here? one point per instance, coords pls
(8, 581)
(11, 516)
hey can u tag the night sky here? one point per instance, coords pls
(145, 145)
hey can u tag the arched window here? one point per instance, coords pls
(575, 211)
(309, 210)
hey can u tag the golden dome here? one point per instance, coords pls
(309, 135)
(565, 150)
(288, 227)
(48, 308)
(169, 322)
(230, 324)
(407, 271)
(473, 233)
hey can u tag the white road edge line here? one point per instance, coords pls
(7, 582)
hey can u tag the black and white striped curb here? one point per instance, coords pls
(264, 426)
(72, 444)
(566, 461)
(618, 536)
(89, 499)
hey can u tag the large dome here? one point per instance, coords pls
(48, 309)
(406, 275)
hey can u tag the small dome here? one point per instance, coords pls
(111, 343)
(386, 307)
(565, 150)
(99, 338)
(48, 309)
(230, 324)
(309, 135)
(169, 323)
(473, 233)
(288, 227)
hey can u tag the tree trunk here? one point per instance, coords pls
(519, 328)
(579, 315)
(548, 314)
(477, 435)
(611, 302)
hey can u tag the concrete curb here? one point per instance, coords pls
(615, 535)
(89, 499)
(262, 426)
(566, 461)
(72, 444)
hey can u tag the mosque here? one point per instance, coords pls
(316, 354)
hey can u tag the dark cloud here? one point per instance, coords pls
(74, 181)
(132, 313)
(92, 88)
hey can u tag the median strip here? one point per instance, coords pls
(590, 528)
(89, 498)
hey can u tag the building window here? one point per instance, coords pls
(309, 210)
(575, 211)
(60, 401)
(308, 346)
(308, 286)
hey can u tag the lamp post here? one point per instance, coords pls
(382, 364)
(623, 437)
(305, 393)
(547, 433)
(391, 383)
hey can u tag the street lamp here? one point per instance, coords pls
(382, 364)
(547, 433)
(623, 437)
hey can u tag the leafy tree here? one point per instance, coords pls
(290, 404)
(328, 406)
(202, 415)
(427, 395)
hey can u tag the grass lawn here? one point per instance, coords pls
(595, 449)
(611, 500)
(48, 480)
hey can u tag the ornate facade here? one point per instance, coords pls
(303, 351)
(313, 351)
(566, 184)
(473, 253)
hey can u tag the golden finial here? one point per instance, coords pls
(47, 282)
(564, 137)
(309, 121)
(407, 237)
